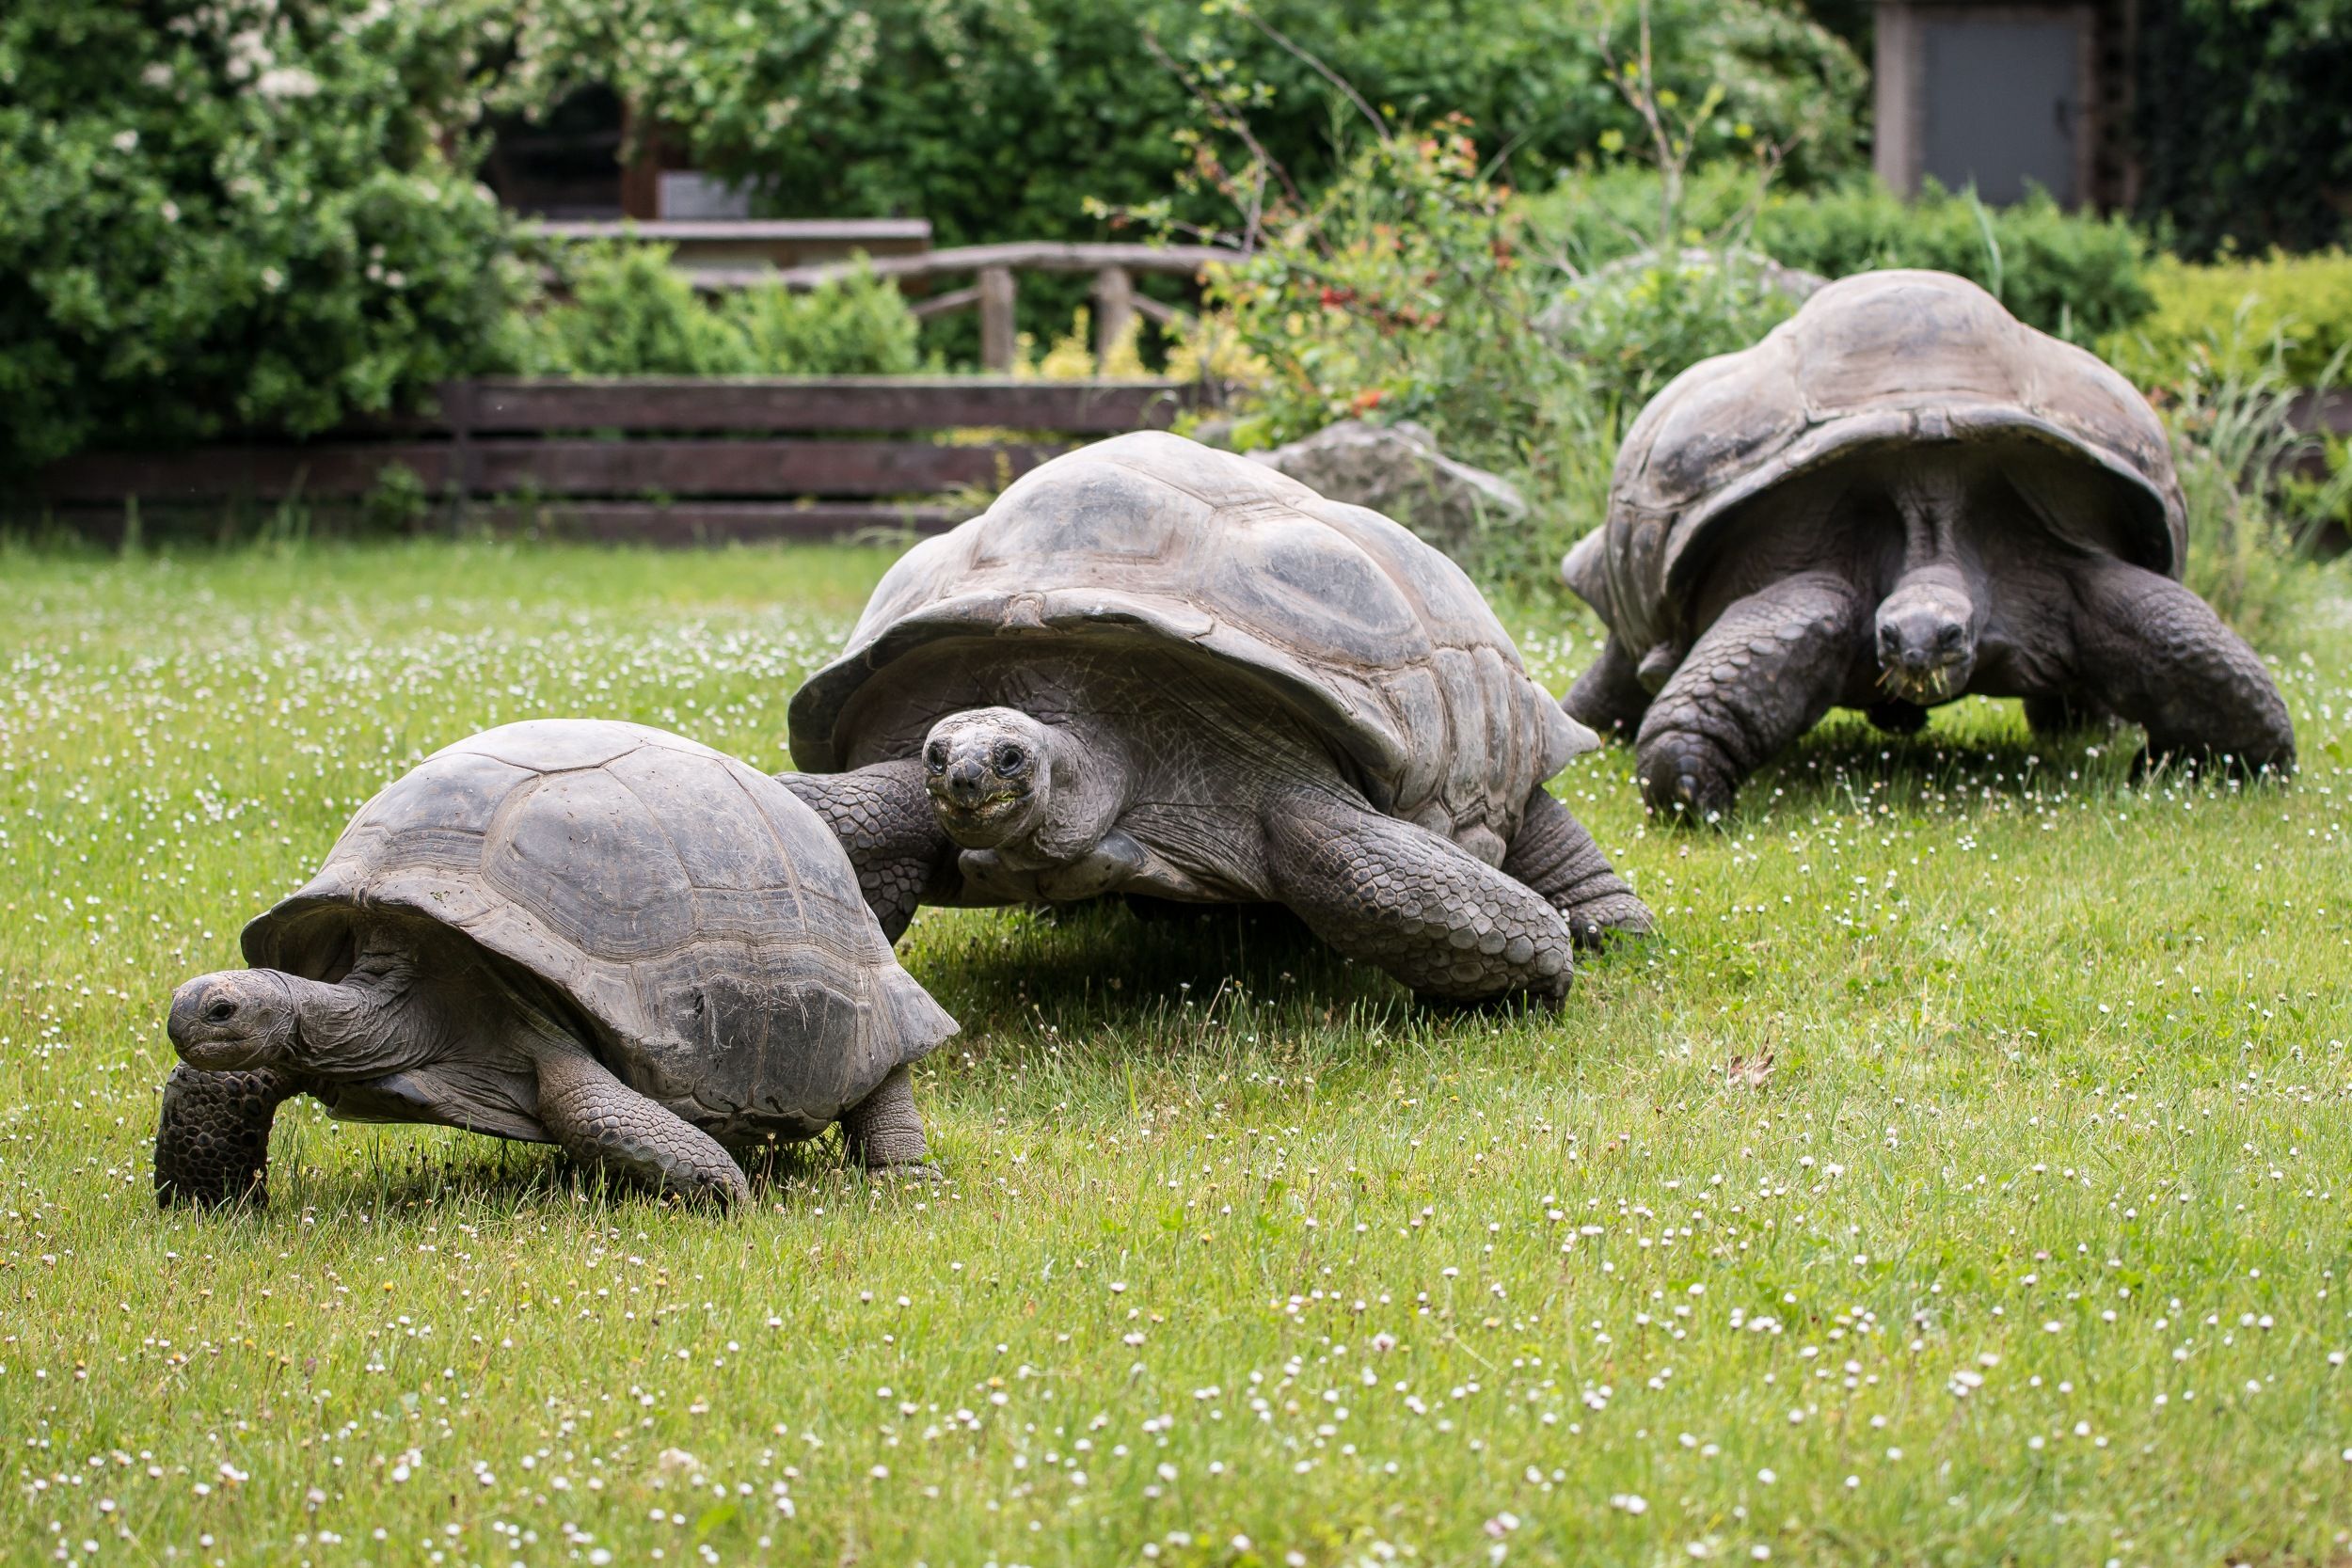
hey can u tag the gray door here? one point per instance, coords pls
(2002, 105)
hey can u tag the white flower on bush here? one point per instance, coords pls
(156, 75)
(287, 81)
(273, 279)
(126, 141)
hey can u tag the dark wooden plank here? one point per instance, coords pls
(325, 469)
(748, 467)
(713, 522)
(877, 404)
(2330, 411)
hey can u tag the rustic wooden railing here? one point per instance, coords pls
(994, 289)
(667, 461)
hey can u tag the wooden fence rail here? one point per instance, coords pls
(994, 291)
(663, 460)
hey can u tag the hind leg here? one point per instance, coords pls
(885, 1131)
(1609, 697)
(1555, 855)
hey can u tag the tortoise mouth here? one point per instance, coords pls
(983, 820)
(1926, 683)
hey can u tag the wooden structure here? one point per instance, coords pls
(994, 291)
(738, 247)
(667, 461)
(2002, 96)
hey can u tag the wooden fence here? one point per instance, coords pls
(668, 461)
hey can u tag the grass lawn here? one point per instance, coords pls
(1964, 1173)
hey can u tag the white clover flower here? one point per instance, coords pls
(288, 81)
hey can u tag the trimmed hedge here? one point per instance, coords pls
(2081, 278)
(2235, 312)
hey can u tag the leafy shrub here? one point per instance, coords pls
(631, 313)
(233, 214)
(1004, 119)
(2243, 126)
(1640, 327)
(2236, 443)
(2078, 276)
(1405, 291)
(2302, 304)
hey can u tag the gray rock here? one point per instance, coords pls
(1397, 470)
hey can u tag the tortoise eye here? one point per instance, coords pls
(1010, 758)
(935, 756)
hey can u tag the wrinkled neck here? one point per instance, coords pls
(364, 1027)
(1090, 777)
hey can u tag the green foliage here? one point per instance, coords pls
(1404, 292)
(2230, 417)
(2301, 304)
(235, 215)
(1000, 119)
(1639, 327)
(631, 313)
(2245, 126)
(2074, 275)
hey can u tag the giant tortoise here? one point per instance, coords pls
(1156, 668)
(1901, 496)
(565, 932)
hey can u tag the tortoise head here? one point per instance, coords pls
(237, 1018)
(374, 1023)
(1927, 636)
(989, 772)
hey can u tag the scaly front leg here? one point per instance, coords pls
(1423, 907)
(212, 1143)
(883, 816)
(1764, 674)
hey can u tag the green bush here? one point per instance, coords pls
(2239, 310)
(630, 313)
(233, 215)
(2243, 128)
(1004, 119)
(2081, 278)
(1640, 327)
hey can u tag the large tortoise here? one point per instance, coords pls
(1901, 496)
(1156, 668)
(567, 931)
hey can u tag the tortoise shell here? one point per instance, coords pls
(1372, 637)
(1875, 360)
(703, 923)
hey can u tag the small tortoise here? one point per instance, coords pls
(1158, 670)
(566, 931)
(1901, 496)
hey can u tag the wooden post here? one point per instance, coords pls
(996, 318)
(1114, 309)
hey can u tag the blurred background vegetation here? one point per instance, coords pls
(1511, 220)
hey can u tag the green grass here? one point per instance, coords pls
(1959, 1177)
